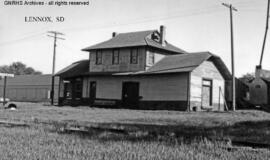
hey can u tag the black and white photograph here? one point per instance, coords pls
(134, 80)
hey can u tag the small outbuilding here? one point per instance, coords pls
(259, 88)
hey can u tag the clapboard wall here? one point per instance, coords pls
(29, 88)
(207, 70)
(171, 87)
(167, 91)
(124, 61)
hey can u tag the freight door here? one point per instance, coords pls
(92, 94)
(130, 95)
(206, 93)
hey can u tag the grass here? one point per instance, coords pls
(33, 144)
(31, 111)
(244, 125)
(158, 134)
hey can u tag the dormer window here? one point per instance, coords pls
(134, 56)
(98, 57)
(115, 57)
(155, 37)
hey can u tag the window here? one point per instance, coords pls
(78, 88)
(115, 58)
(151, 58)
(207, 82)
(67, 90)
(134, 56)
(98, 57)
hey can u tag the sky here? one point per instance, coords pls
(192, 25)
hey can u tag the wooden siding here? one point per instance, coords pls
(206, 70)
(85, 87)
(152, 88)
(158, 56)
(124, 61)
(61, 89)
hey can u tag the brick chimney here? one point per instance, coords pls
(258, 72)
(114, 34)
(162, 35)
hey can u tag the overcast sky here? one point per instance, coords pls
(192, 25)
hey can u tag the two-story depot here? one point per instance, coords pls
(141, 70)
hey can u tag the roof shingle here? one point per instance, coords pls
(75, 69)
(133, 39)
(173, 62)
(187, 63)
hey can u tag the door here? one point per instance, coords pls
(206, 93)
(130, 95)
(92, 94)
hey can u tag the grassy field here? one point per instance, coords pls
(33, 144)
(154, 134)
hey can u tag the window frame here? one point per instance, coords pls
(132, 55)
(78, 88)
(98, 57)
(114, 57)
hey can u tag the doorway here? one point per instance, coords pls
(92, 92)
(130, 95)
(206, 93)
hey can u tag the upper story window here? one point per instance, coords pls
(151, 58)
(115, 57)
(98, 57)
(134, 56)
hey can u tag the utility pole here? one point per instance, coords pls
(55, 36)
(232, 53)
(265, 35)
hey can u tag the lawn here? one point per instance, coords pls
(35, 111)
(150, 134)
(33, 144)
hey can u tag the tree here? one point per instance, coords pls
(18, 68)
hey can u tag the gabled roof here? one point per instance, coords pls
(175, 62)
(75, 69)
(133, 39)
(187, 63)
